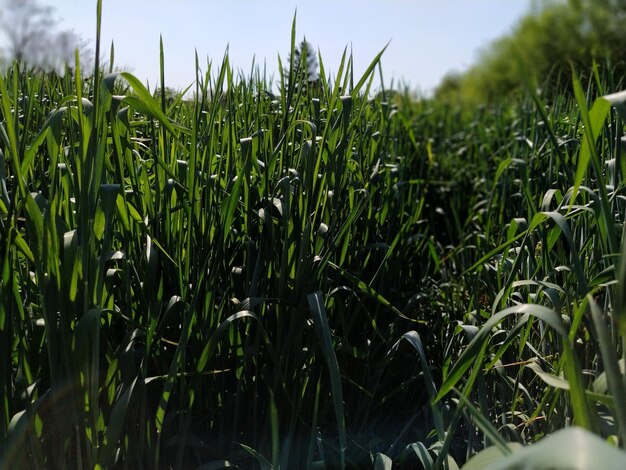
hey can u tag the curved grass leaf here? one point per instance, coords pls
(567, 449)
(382, 462)
(146, 103)
(489, 456)
(217, 335)
(414, 339)
(467, 357)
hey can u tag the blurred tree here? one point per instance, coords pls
(305, 66)
(545, 43)
(449, 89)
(24, 23)
(171, 95)
(29, 30)
(305, 54)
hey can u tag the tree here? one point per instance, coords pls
(31, 36)
(449, 88)
(305, 59)
(305, 66)
(544, 45)
(170, 95)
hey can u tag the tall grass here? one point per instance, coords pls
(303, 278)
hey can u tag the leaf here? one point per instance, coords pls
(382, 462)
(489, 455)
(362, 286)
(229, 206)
(559, 219)
(567, 449)
(263, 462)
(71, 263)
(116, 425)
(217, 335)
(322, 330)
(593, 121)
(562, 384)
(367, 72)
(485, 425)
(414, 339)
(466, 359)
(146, 103)
(550, 379)
(35, 226)
(618, 101)
(421, 453)
(614, 373)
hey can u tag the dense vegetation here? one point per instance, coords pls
(544, 44)
(308, 278)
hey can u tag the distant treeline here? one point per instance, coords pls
(542, 49)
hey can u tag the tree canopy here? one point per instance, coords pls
(544, 45)
(305, 65)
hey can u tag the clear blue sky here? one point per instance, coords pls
(427, 37)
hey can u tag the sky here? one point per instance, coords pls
(427, 38)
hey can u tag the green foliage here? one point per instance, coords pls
(542, 47)
(176, 274)
(307, 278)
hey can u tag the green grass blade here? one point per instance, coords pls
(322, 330)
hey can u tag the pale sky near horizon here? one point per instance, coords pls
(426, 39)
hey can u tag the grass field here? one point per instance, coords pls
(310, 277)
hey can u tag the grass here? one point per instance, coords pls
(308, 278)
